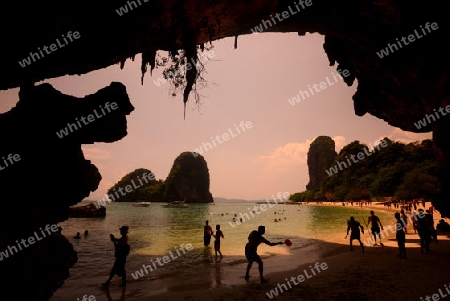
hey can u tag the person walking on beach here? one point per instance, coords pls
(404, 220)
(400, 236)
(207, 232)
(122, 249)
(355, 234)
(376, 224)
(254, 240)
(218, 235)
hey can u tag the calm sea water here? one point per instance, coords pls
(156, 230)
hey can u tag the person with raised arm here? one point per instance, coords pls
(254, 240)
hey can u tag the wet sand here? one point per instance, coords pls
(376, 274)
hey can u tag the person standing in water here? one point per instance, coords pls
(122, 249)
(254, 240)
(354, 226)
(218, 235)
(207, 232)
(376, 224)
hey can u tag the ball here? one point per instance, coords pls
(287, 242)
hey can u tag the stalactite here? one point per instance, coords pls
(122, 64)
(218, 22)
(191, 74)
(152, 61)
(211, 34)
(148, 58)
(143, 66)
(235, 41)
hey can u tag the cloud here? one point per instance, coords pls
(340, 142)
(292, 155)
(287, 155)
(284, 169)
(407, 137)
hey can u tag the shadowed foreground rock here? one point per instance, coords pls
(44, 176)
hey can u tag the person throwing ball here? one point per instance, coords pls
(254, 240)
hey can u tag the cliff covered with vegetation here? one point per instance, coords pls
(138, 185)
(188, 181)
(402, 171)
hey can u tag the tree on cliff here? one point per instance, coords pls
(138, 185)
(405, 171)
(321, 155)
(188, 180)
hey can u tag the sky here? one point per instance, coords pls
(251, 84)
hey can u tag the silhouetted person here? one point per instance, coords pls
(86, 233)
(355, 234)
(431, 210)
(77, 236)
(254, 240)
(443, 226)
(218, 235)
(404, 219)
(376, 224)
(433, 229)
(400, 236)
(207, 232)
(122, 249)
(424, 230)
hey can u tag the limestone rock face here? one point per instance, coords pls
(188, 180)
(45, 175)
(321, 155)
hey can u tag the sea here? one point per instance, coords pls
(156, 231)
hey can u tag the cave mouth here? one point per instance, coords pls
(273, 145)
(290, 83)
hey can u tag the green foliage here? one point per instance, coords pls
(188, 180)
(405, 171)
(307, 196)
(420, 182)
(141, 185)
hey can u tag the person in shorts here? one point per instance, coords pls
(217, 237)
(355, 234)
(254, 240)
(376, 224)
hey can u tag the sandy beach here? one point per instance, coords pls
(375, 274)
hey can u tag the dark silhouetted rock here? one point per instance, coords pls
(50, 176)
(321, 155)
(87, 211)
(188, 180)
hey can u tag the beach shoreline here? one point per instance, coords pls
(225, 280)
(350, 276)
